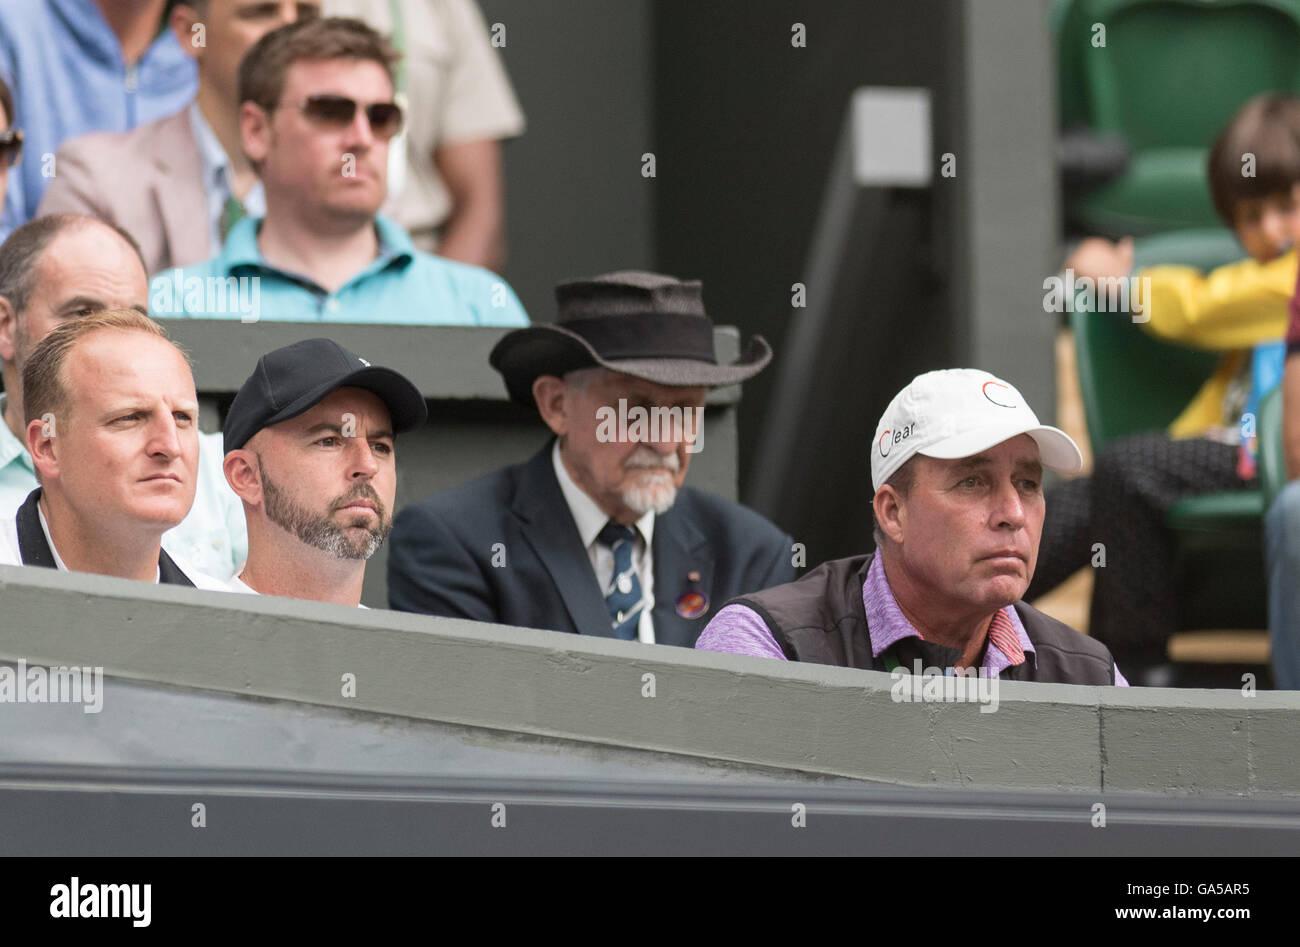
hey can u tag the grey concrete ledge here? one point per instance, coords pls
(810, 719)
(444, 362)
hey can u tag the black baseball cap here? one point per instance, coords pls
(293, 379)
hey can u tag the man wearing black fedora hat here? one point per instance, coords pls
(596, 533)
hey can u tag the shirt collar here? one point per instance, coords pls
(85, 20)
(49, 541)
(216, 163)
(394, 242)
(58, 560)
(241, 247)
(589, 517)
(887, 625)
(11, 448)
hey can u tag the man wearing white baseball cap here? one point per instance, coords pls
(956, 472)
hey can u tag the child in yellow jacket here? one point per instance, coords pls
(1239, 310)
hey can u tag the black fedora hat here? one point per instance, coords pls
(641, 324)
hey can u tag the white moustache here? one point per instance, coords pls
(643, 458)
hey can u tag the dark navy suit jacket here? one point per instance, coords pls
(441, 558)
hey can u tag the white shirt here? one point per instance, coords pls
(218, 177)
(590, 521)
(212, 537)
(11, 555)
(237, 584)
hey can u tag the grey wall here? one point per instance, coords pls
(577, 204)
(1006, 219)
(798, 718)
(747, 127)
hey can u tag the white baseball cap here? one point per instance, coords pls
(959, 412)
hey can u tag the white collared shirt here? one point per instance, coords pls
(11, 554)
(212, 538)
(590, 521)
(236, 584)
(218, 178)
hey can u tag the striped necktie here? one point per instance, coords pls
(1002, 635)
(623, 595)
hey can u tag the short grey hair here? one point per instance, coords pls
(20, 254)
(902, 480)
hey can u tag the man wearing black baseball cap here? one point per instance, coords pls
(597, 533)
(309, 450)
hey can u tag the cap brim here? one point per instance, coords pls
(1056, 449)
(406, 407)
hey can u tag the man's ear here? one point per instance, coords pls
(254, 131)
(243, 475)
(182, 22)
(8, 330)
(550, 392)
(42, 444)
(890, 515)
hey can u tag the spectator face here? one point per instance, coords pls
(626, 477)
(339, 168)
(127, 453)
(969, 528)
(83, 270)
(329, 476)
(229, 29)
(1269, 226)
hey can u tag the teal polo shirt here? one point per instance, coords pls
(401, 286)
(17, 474)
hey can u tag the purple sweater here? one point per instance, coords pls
(738, 629)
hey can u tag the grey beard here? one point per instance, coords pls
(642, 499)
(321, 532)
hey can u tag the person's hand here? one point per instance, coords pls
(1099, 258)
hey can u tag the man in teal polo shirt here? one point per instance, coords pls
(316, 118)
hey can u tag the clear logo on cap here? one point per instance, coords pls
(999, 391)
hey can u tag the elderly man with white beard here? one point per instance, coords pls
(596, 534)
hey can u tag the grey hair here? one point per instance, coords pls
(901, 480)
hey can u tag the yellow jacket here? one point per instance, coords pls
(1231, 309)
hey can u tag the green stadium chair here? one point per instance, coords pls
(1132, 382)
(1204, 248)
(1170, 76)
(1271, 457)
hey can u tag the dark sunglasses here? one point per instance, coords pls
(338, 111)
(11, 147)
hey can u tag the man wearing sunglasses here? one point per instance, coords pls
(179, 184)
(447, 188)
(316, 117)
(11, 141)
